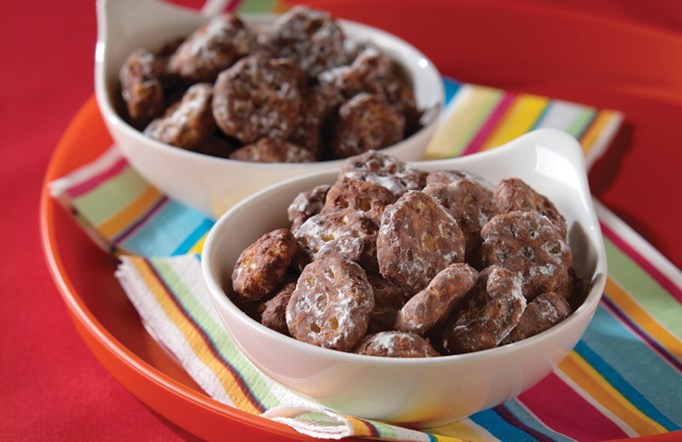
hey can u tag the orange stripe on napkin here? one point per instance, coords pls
(594, 384)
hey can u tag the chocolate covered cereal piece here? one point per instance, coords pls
(212, 48)
(331, 304)
(388, 299)
(470, 204)
(348, 233)
(452, 176)
(141, 86)
(306, 204)
(529, 244)
(364, 196)
(366, 122)
(385, 170)
(396, 344)
(310, 37)
(362, 75)
(542, 313)
(319, 104)
(272, 150)
(432, 305)
(257, 97)
(417, 239)
(489, 312)
(273, 311)
(262, 265)
(513, 194)
(189, 123)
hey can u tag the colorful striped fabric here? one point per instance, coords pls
(478, 118)
(622, 379)
(126, 215)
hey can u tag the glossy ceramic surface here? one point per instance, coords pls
(549, 161)
(208, 183)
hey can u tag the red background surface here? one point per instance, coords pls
(52, 387)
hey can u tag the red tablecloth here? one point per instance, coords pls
(53, 388)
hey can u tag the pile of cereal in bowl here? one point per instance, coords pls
(394, 261)
(299, 91)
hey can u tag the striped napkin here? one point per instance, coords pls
(623, 379)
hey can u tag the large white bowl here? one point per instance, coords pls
(213, 184)
(430, 390)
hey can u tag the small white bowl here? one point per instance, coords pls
(213, 184)
(431, 390)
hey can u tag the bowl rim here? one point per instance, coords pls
(112, 117)
(587, 308)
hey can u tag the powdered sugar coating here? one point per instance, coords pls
(306, 204)
(432, 305)
(331, 304)
(529, 244)
(395, 344)
(141, 86)
(257, 97)
(310, 37)
(272, 150)
(189, 123)
(470, 204)
(366, 197)
(490, 311)
(320, 104)
(363, 74)
(541, 314)
(417, 239)
(452, 176)
(366, 122)
(262, 265)
(385, 170)
(513, 194)
(348, 233)
(213, 47)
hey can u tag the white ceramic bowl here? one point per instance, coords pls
(429, 390)
(214, 184)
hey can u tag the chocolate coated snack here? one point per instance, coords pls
(257, 97)
(452, 176)
(141, 86)
(348, 233)
(273, 314)
(331, 304)
(432, 305)
(320, 103)
(272, 150)
(488, 313)
(261, 266)
(362, 75)
(470, 204)
(541, 314)
(364, 196)
(306, 204)
(385, 170)
(366, 122)
(309, 37)
(395, 344)
(189, 123)
(388, 299)
(417, 239)
(513, 194)
(212, 48)
(529, 244)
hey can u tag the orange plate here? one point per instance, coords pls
(565, 55)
